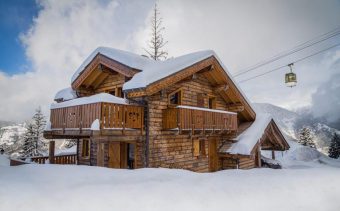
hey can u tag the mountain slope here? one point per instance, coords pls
(291, 122)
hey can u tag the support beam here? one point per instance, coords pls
(222, 87)
(99, 80)
(237, 107)
(207, 69)
(51, 152)
(92, 78)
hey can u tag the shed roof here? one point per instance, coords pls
(248, 139)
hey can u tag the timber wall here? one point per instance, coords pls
(169, 149)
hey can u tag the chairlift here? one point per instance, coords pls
(291, 77)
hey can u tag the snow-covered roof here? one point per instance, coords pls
(102, 97)
(251, 136)
(151, 70)
(66, 94)
(127, 58)
(206, 109)
(157, 70)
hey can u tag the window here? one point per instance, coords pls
(200, 100)
(175, 98)
(86, 148)
(212, 102)
(199, 147)
(131, 156)
(113, 92)
(119, 92)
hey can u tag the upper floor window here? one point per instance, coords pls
(175, 98)
(118, 92)
(212, 102)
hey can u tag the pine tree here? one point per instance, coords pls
(157, 42)
(306, 137)
(29, 146)
(33, 137)
(334, 148)
(39, 124)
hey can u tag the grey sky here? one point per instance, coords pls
(241, 32)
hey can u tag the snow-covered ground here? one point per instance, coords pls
(308, 186)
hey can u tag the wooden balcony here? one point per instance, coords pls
(79, 119)
(199, 120)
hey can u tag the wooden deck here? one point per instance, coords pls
(186, 119)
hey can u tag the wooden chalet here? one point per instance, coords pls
(128, 111)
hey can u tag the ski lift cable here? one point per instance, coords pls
(298, 48)
(296, 61)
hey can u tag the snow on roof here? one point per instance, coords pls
(127, 58)
(160, 69)
(66, 94)
(249, 138)
(102, 97)
(206, 109)
(151, 70)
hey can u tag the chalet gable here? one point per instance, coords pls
(144, 77)
(107, 61)
(211, 68)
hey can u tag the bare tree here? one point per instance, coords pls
(157, 42)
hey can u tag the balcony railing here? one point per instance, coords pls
(110, 116)
(188, 118)
(58, 159)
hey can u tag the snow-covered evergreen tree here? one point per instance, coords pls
(33, 138)
(306, 137)
(334, 148)
(39, 123)
(157, 42)
(29, 146)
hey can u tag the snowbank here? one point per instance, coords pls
(4, 160)
(95, 125)
(65, 94)
(66, 151)
(102, 97)
(94, 188)
(248, 139)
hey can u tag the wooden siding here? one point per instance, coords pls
(168, 148)
(103, 158)
(111, 83)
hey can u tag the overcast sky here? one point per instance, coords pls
(61, 34)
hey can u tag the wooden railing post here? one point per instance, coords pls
(51, 152)
(123, 119)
